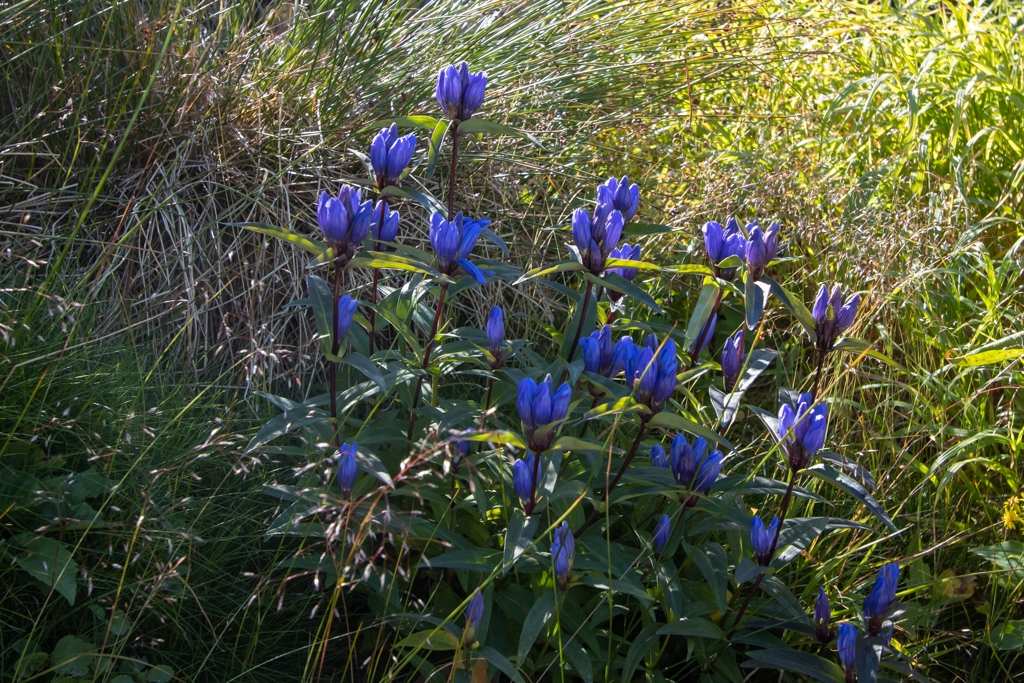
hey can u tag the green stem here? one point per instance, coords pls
(622, 470)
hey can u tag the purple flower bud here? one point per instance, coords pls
(522, 478)
(346, 310)
(658, 456)
(563, 550)
(474, 614)
(713, 240)
(732, 359)
(684, 461)
(581, 229)
(883, 594)
(822, 616)
(332, 219)
(661, 533)
(496, 329)
(755, 250)
(347, 469)
(847, 645)
(624, 349)
(390, 230)
(701, 343)
(763, 539)
(707, 472)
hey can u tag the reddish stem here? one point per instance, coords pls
(426, 361)
(622, 470)
(332, 369)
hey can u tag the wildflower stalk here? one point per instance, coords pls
(332, 368)
(376, 275)
(629, 458)
(426, 361)
(583, 317)
(821, 369)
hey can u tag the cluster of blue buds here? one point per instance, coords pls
(847, 645)
(822, 616)
(603, 358)
(563, 550)
(763, 539)
(761, 248)
(347, 469)
(460, 93)
(732, 359)
(701, 342)
(541, 407)
(495, 336)
(474, 615)
(622, 197)
(522, 478)
(883, 594)
(597, 237)
(690, 466)
(652, 373)
(390, 229)
(390, 154)
(454, 240)
(344, 221)
(626, 253)
(832, 316)
(721, 244)
(346, 311)
(662, 532)
(803, 431)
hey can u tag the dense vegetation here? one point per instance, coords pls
(143, 329)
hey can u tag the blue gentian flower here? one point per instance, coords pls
(685, 458)
(832, 316)
(390, 154)
(347, 469)
(707, 471)
(454, 240)
(390, 229)
(598, 351)
(496, 328)
(627, 253)
(732, 359)
(883, 594)
(651, 374)
(460, 93)
(522, 478)
(658, 456)
(541, 405)
(661, 533)
(763, 539)
(847, 645)
(803, 431)
(822, 616)
(346, 310)
(701, 343)
(761, 248)
(474, 615)
(623, 197)
(563, 550)
(462, 447)
(596, 237)
(721, 244)
(345, 220)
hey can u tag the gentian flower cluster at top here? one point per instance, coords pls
(390, 229)
(689, 465)
(832, 316)
(803, 431)
(732, 359)
(596, 237)
(563, 551)
(540, 407)
(390, 154)
(454, 240)
(344, 221)
(460, 93)
(652, 373)
(882, 595)
(763, 539)
(761, 248)
(347, 469)
(626, 253)
(603, 358)
(495, 336)
(721, 244)
(622, 197)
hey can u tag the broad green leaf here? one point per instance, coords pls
(805, 663)
(573, 324)
(796, 536)
(314, 247)
(160, 674)
(616, 282)
(795, 306)
(560, 267)
(287, 422)
(713, 564)
(639, 647)
(691, 627)
(72, 656)
(869, 655)
(321, 299)
(668, 420)
(973, 360)
(746, 570)
(434, 145)
(626, 263)
(425, 122)
(477, 559)
(853, 487)
(859, 346)
(49, 562)
(475, 125)
(518, 536)
(702, 311)
(755, 294)
(499, 662)
(579, 659)
(428, 202)
(431, 639)
(633, 228)
(380, 259)
(617, 586)
(1009, 636)
(367, 367)
(539, 615)
(689, 269)
(726, 405)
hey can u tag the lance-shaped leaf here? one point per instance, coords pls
(795, 306)
(853, 487)
(428, 202)
(560, 267)
(618, 283)
(668, 420)
(476, 125)
(434, 146)
(378, 259)
(313, 246)
(425, 122)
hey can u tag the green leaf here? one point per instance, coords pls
(518, 536)
(626, 263)
(973, 360)
(434, 145)
(71, 656)
(797, 535)
(669, 421)
(477, 559)
(618, 283)
(859, 346)
(321, 300)
(795, 306)
(367, 367)
(853, 487)
(160, 674)
(702, 311)
(539, 615)
(579, 659)
(428, 202)
(431, 639)
(639, 647)
(755, 294)
(651, 229)
(315, 247)
(713, 564)
(499, 662)
(692, 627)
(726, 405)
(869, 655)
(287, 422)
(483, 126)
(560, 267)
(391, 260)
(805, 663)
(425, 122)
(49, 562)
(617, 586)
(1009, 636)
(574, 323)
(689, 269)
(747, 570)
(119, 624)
